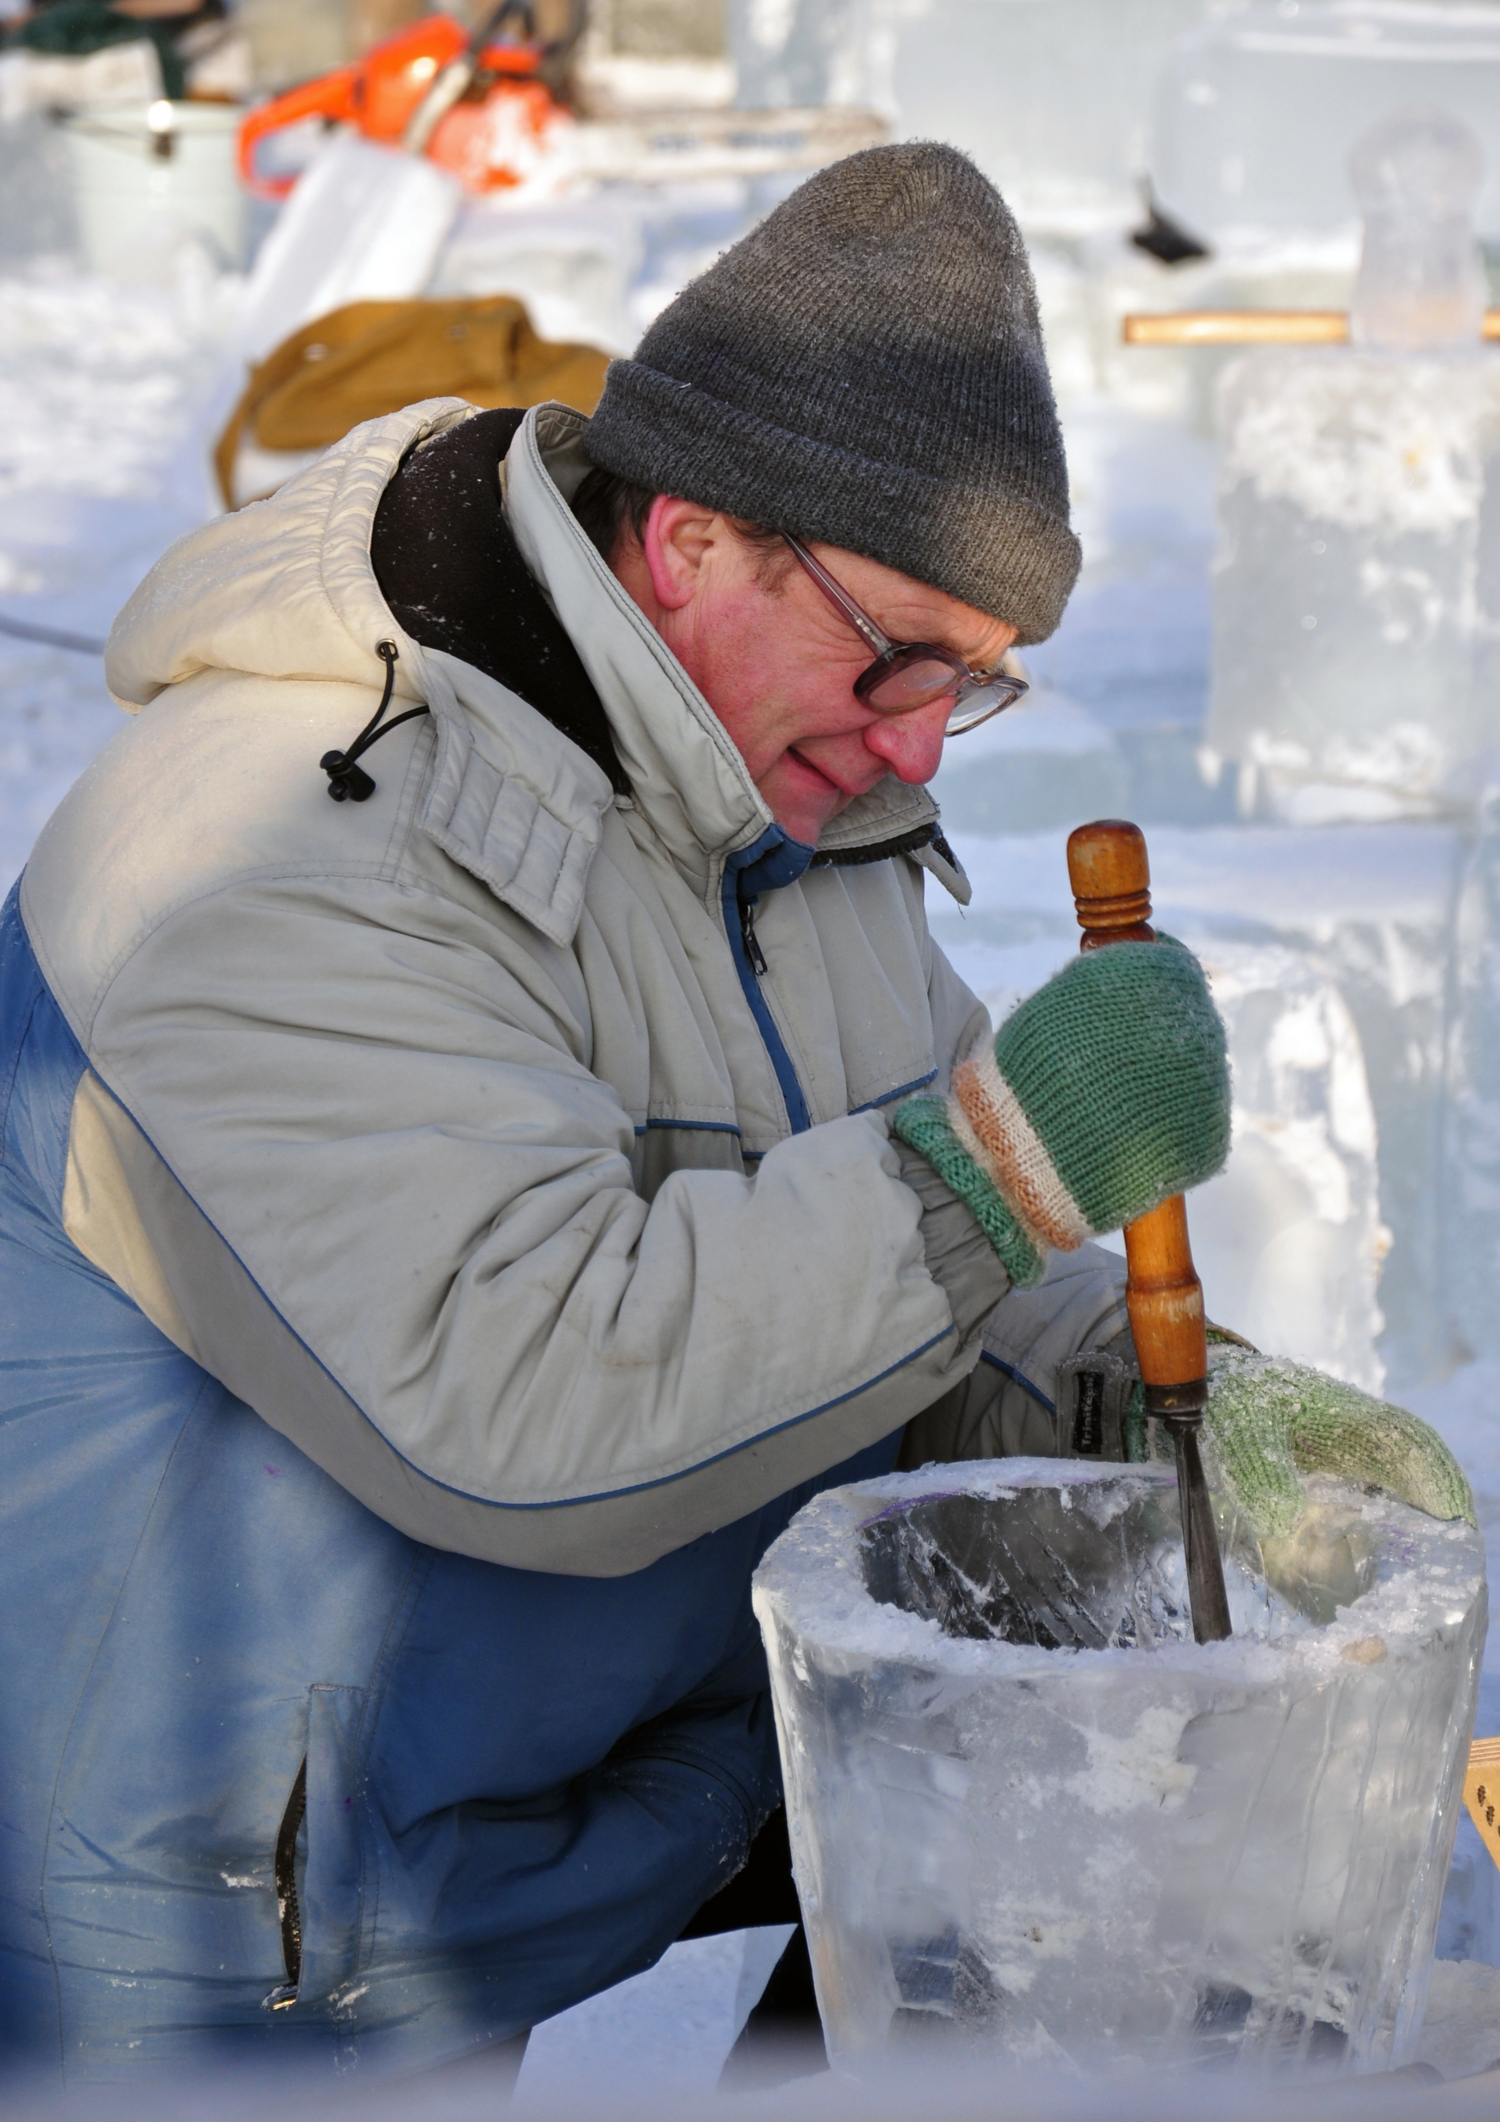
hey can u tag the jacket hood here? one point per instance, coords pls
(686, 773)
(285, 589)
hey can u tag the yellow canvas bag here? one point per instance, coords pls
(371, 358)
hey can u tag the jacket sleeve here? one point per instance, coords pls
(1005, 1408)
(959, 1019)
(391, 1208)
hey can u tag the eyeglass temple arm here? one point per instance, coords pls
(1009, 666)
(862, 623)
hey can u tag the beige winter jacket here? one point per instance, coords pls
(439, 1127)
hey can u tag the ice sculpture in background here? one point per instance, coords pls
(1257, 111)
(812, 51)
(1357, 581)
(1289, 1239)
(1028, 1813)
(1050, 97)
(1420, 286)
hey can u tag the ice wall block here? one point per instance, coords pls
(1421, 282)
(1356, 590)
(1256, 111)
(1028, 1814)
(1357, 579)
(1076, 78)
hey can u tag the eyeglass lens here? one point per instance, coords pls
(914, 677)
(910, 678)
(975, 707)
(913, 674)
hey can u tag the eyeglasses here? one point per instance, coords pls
(908, 674)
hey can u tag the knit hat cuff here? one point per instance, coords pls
(1004, 555)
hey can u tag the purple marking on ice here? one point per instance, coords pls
(942, 1495)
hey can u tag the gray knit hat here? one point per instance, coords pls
(866, 368)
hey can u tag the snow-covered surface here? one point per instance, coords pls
(102, 390)
(672, 2027)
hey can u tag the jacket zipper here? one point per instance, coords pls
(750, 940)
(287, 1909)
(750, 964)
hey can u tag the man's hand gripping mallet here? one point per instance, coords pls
(1111, 880)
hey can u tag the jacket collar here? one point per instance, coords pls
(687, 778)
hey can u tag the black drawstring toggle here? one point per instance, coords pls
(347, 780)
(347, 783)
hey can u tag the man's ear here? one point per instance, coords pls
(677, 545)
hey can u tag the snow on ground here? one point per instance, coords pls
(102, 388)
(671, 2028)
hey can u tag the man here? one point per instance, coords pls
(450, 1229)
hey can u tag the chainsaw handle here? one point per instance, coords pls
(410, 79)
(1111, 879)
(331, 96)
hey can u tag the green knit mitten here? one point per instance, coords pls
(1106, 1091)
(1269, 1420)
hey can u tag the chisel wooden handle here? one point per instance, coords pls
(1111, 879)
(1110, 873)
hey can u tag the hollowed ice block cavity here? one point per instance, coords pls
(1030, 1814)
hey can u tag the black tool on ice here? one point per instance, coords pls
(347, 780)
(1161, 236)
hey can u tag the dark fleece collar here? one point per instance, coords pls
(451, 571)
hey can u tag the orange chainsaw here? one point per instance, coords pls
(482, 109)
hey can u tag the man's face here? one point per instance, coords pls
(777, 663)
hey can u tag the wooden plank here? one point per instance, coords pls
(1482, 1792)
(1250, 327)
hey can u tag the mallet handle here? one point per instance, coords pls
(1111, 879)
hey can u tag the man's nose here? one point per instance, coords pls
(911, 744)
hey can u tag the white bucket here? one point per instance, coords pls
(149, 174)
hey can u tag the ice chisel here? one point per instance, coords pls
(1111, 880)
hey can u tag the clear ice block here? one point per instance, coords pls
(1421, 282)
(1029, 1813)
(37, 214)
(1049, 96)
(1357, 583)
(1257, 111)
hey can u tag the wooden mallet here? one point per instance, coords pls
(1111, 880)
